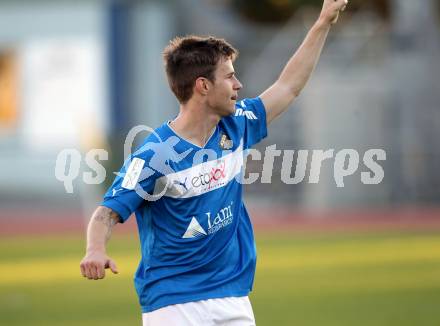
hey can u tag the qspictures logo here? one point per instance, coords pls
(211, 169)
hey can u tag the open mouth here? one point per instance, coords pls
(234, 98)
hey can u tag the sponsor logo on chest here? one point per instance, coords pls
(223, 218)
(202, 178)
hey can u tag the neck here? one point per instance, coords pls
(195, 123)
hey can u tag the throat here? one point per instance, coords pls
(195, 126)
(193, 135)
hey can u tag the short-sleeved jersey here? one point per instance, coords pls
(196, 237)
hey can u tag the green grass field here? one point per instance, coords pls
(314, 279)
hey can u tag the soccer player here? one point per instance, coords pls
(183, 184)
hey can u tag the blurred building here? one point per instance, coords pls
(81, 74)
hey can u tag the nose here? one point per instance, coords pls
(237, 85)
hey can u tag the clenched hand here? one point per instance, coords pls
(331, 9)
(94, 264)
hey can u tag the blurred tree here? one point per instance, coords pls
(278, 11)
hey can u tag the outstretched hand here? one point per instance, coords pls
(94, 264)
(331, 9)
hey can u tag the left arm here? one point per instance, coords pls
(298, 69)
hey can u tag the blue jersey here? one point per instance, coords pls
(196, 236)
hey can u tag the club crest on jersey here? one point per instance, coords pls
(225, 142)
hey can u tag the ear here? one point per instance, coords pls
(202, 86)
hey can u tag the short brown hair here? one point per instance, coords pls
(190, 57)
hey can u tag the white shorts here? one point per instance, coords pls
(230, 311)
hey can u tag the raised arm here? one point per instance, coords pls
(298, 69)
(99, 231)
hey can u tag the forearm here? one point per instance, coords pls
(95, 261)
(299, 68)
(100, 228)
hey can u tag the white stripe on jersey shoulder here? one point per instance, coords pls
(242, 112)
(203, 177)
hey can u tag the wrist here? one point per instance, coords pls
(96, 250)
(323, 23)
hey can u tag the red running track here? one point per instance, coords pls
(269, 219)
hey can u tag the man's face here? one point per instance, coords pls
(223, 94)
